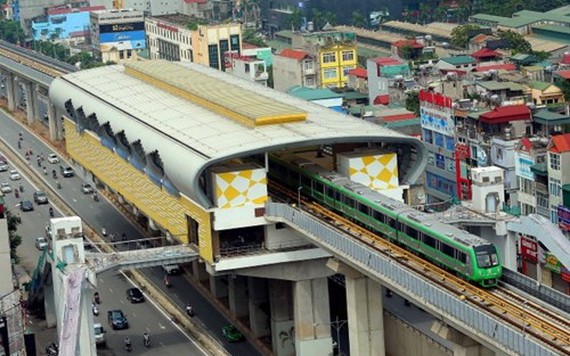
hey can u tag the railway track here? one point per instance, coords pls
(531, 318)
(44, 64)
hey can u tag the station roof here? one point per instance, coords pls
(194, 117)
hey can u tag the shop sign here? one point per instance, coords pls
(529, 249)
(564, 218)
(552, 263)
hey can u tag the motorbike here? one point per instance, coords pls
(146, 340)
(58, 185)
(104, 232)
(54, 174)
(95, 309)
(52, 349)
(21, 188)
(167, 282)
(97, 298)
(128, 347)
(96, 197)
(190, 311)
(50, 212)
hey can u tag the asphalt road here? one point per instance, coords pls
(113, 284)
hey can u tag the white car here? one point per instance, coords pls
(41, 243)
(3, 167)
(14, 175)
(52, 158)
(5, 188)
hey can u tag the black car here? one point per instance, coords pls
(117, 319)
(26, 205)
(40, 197)
(134, 295)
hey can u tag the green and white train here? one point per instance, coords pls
(468, 255)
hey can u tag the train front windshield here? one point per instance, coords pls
(486, 256)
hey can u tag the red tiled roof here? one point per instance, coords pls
(560, 143)
(504, 114)
(293, 53)
(66, 10)
(479, 38)
(506, 66)
(485, 53)
(386, 61)
(400, 117)
(563, 74)
(565, 59)
(525, 141)
(359, 72)
(411, 43)
(382, 99)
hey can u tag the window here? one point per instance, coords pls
(447, 250)
(247, 67)
(430, 241)
(330, 73)
(449, 143)
(554, 161)
(555, 187)
(213, 56)
(438, 139)
(329, 57)
(308, 65)
(427, 136)
(411, 232)
(346, 69)
(378, 216)
(347, 55)
(542, 200)
(363, 208)
(310, 81)
(461, 256)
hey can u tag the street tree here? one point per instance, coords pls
(461, 35)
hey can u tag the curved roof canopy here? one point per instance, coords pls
(195, 116)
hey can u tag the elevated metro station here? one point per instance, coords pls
(187, 148)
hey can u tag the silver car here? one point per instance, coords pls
(5, 188)
(52, 158)
(14, 175)
(3, 167)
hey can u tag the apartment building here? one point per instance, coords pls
(294, 67)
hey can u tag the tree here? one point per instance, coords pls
(85, 59)
(564, 85)
(295, 20)
(15, 239)
(270, 76)
(413, 102)
(517, 43)
(11, 31)
(250, 36)
(358, 20)
(406, 51)
(461, 35)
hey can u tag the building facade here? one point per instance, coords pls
(168, 40)
(64, 24)
(335, 62)
(558, 163)
(117, 35)
(211, 42)
(293, 67)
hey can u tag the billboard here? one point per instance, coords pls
(522, 166)
(122, 36)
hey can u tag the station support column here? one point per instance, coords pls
(10, 91)
(365, 311)
(30, 101)
(312, 317)
(463, 345)
(52, 122)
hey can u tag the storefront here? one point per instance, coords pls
(560, 275)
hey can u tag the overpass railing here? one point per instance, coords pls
(467, 318)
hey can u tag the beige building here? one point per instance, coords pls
(168, 39)
(211, 42)
(543, 93)
(293, 67)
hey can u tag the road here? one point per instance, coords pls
(103, 214)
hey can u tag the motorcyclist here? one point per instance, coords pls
(94, 309)
(146, 339)
(58, 184)
(96, 297)
(51, 211)
(45, 171)
(54, 173)
(167, 281)
(95, 196)
(189, 310)
(128, 345)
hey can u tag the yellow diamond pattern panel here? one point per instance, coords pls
(376, 171)
(239, 188)
(165, 210)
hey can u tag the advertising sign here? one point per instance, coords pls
(437, 120)
(564, 218)
(529, 249)
(123, 40)
(522, 166)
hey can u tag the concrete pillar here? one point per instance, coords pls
(30, 101)
(218, 287)
(52, 122)
(11, 91)
(237, 293)
(462, 344)
(365, 316)
(282, 323)
(199, 271)
(258, 306)
(312, 317)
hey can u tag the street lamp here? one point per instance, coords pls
(337, 325)
(299, 196)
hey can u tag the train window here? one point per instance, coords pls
(305, 181)
(337, 195)
(329, 192)
(318, 187)
(363, 208)
(448, 250)
(391, 222)
(378, 216)
(349, 202)
(461, 256)
(430, 241)
(411, 232)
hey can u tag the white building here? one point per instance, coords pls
(168, 40)
(246, 67)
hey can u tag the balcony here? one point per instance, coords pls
(261, 76)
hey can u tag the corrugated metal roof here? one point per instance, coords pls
(190, 137)
(216, 95)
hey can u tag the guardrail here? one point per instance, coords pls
(382, 269)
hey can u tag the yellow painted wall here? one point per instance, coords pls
(164, 209)
(340, 80)
(206, 35)
(239, 188)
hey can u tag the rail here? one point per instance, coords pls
(381, 268)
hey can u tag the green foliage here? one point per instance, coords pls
(461, 35)
(85, 59)
(541, 55)
(295, 20)
(564, 85)
(15, 239)
(194, 23)
(270, 76)
(517, 42)
(508, 7)
(320, 19)
(413, 102)
(54, 50)
(358, 19)
(11, 31)
(406, 52)
(250, 36)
